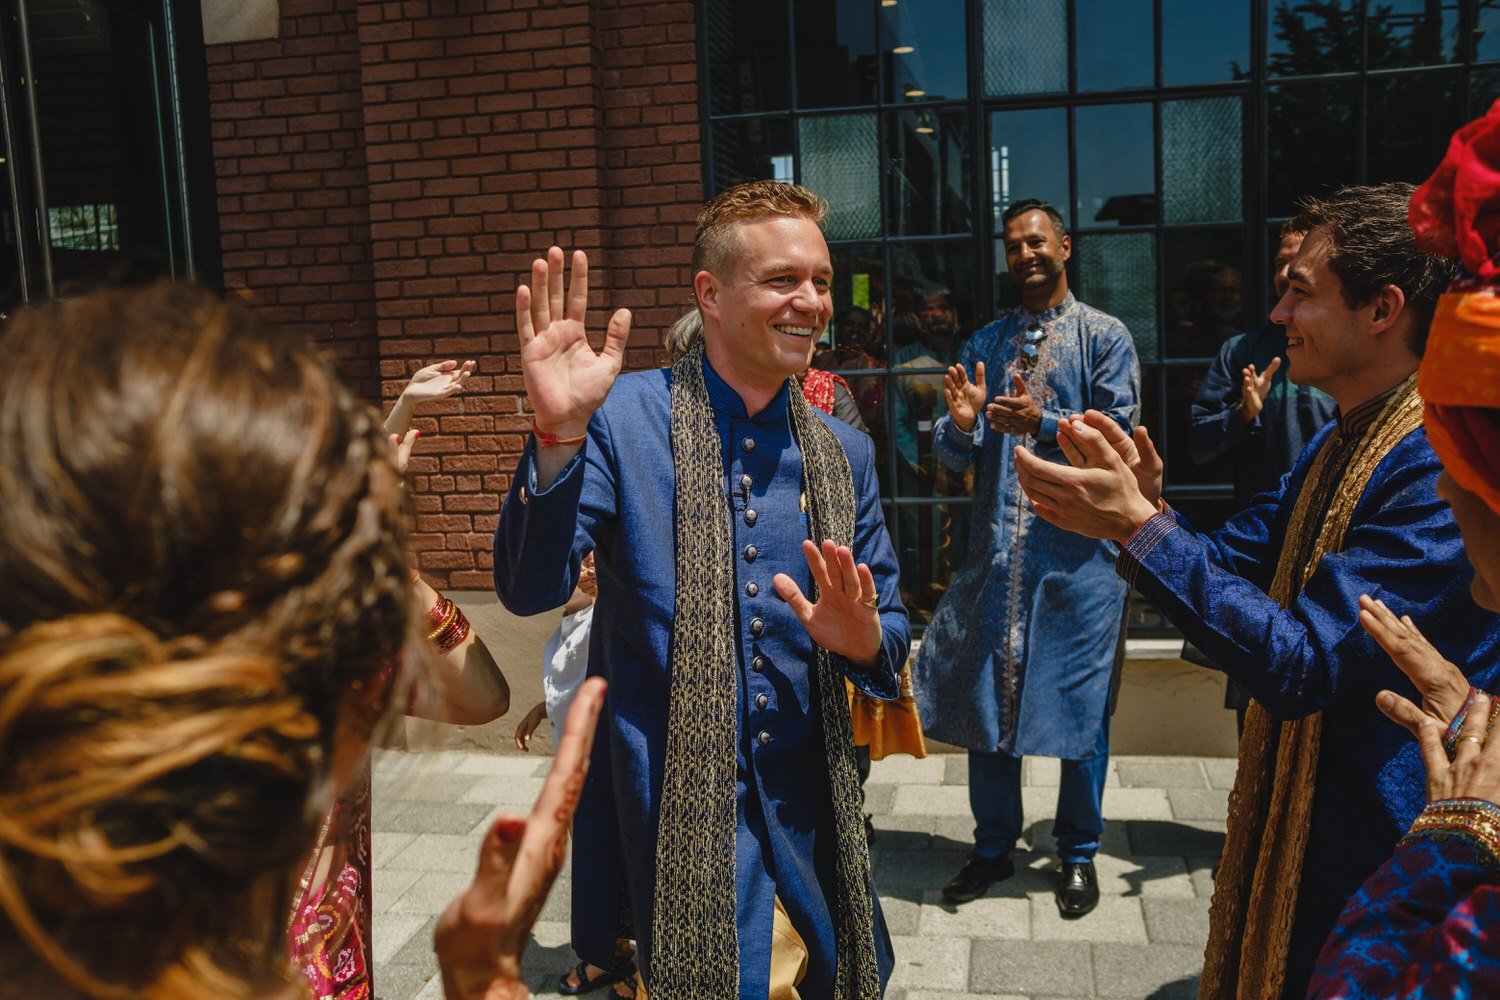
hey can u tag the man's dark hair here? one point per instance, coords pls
(1035, 205)
(1372, 246)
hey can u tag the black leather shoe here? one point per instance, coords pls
(976, 876)
(1077, 889)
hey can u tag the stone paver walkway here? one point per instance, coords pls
(1165, 827)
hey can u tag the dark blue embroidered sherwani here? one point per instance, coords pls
(617, 498)
(1402, 547)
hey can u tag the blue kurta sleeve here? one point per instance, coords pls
(956, 448)
(543, 535)
(1215, 425)
(1402, 546)
(1115, 389)
(872, 545)
(1423, 924)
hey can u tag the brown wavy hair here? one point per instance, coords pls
(204, 582)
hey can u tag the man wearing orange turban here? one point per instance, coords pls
(1424, 921)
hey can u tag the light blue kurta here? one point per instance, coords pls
(617, 499)
(1019, 652)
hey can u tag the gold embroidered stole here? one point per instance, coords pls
(1270, 808)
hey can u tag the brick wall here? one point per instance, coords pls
(483, 132)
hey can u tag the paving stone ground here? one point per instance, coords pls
(1165, 828)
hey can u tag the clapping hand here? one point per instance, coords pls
(1016, 414)
(1253, 389)
(1098, 495)
(964, 398)
(1136, 449)
(846, 618)
(482, 934)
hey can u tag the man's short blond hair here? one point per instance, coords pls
(715, 243)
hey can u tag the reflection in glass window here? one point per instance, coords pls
(752, 150)
(749, 68)
(854, 345)
(1116, 168)
(1484, 90)
(1117, 273)
(935, 282)
(930, 543)
(1430, 107)
(1205, 289)
(1200, 160)
(836, 61)
(1182, 388)
(1487, 31)
(1411, 33)
(841, 161)
(1306, 38)
(1025, 47)
(1312, 140)
(1204, 42)
(1115, 44)
(929, 164)
(927, 51)
(1029, 159)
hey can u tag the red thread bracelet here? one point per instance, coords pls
(546, 440)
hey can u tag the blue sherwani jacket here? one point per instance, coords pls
(617, 499)
(1403, 547)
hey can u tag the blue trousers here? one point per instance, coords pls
(995, 799)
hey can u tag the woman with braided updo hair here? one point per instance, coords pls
(204, 594)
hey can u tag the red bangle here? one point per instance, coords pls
(546, 440)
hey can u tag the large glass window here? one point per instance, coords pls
(1173, 135)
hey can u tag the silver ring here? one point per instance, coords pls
(1479, 740)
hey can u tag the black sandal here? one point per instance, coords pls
(586, 985)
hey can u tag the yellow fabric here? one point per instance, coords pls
(1461, 366)
(887, 727)
(788, 957)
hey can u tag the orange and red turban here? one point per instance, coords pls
(1457, 214)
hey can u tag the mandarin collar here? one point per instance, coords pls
(1048, 315)
(723, 398)
(1359, 419)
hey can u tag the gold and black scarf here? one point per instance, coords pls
(1270, 808)
(695, 943)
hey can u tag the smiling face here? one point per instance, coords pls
(1480, 528)
(762, 321)
(1035, 253)
(1327, 343)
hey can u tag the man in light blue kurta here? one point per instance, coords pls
(1018, 657)
(611, 485)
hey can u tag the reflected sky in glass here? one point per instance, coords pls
(1411, 33)
(1304, 38)
(1025, 47)
(937, 64)
(1115, 44)
(1116, 165)
(1204, 42)
(1028, 158)
(1487, 33)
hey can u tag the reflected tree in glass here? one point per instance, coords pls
(1409, 121)
(1312, 142)
(1313, 36)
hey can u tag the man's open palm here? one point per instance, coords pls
(565, 380)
